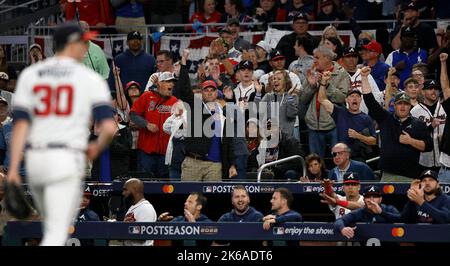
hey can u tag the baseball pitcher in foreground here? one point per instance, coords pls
(52, 111)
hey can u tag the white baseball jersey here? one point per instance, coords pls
(340, 211)
(59, 95)
(420, 111)
(142, 211)
(355, 82)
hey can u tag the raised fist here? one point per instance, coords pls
(365, 71)
(443, 57)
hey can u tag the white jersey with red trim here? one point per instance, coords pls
(340, 211)
(59, 95)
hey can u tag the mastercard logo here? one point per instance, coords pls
(388, 189)
(167, 189)
(398, 232)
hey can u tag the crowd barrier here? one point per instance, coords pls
(178, 187)
(369, 233)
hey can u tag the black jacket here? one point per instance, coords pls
(200, 144)
(119, 152)
(286, 46)
(397, 158)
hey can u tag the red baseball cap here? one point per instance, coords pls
(209, 83)
(131, 83)
(374, 46)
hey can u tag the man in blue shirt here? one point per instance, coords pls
(281, 203)
(134, 64)
(341, 158)
(354, 127)
(370, 54)
(408, 55)
(373, 212)
(427, 203)
(242, 212)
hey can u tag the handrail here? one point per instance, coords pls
(19, 6)
(302, 161)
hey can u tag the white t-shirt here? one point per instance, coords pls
(142, 211)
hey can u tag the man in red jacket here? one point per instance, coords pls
(149, 113)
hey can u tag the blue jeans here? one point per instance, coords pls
(152, 164)
(240, 163)
(175, 173)
(444, 175)
(318, 141)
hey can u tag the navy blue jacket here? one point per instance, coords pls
(436, 211)
(289, 216)
(203, 218)
(133, 67)
(397, 158)
(389, 214)
(252, 215)
(203, 243)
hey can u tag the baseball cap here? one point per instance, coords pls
(233, 21)
(373, 46)
(264, 45)
(407, 32)
(246, 64)
(134, 35)
(224, 30)
(167, 76)
(372, 190)
(429, 173)
(300, 16)
(87, 191)
(354, 90)
(412, 6)
(131, 83)
(350, 51)
(275, 55)
(402, 97)
(325, 3)
(430, 84)
(35, 45)
(351, 177)
(209, 83)
(71, 32)
(4, 76)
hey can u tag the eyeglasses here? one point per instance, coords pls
(418, 75)
(337, 153)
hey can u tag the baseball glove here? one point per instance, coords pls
(15, 202)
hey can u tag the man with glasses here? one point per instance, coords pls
(164, 63)
(341, 158)
(403, 137)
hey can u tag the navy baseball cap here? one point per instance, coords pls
(69, 33)
(372, 190)
(430, 84)
(351, 178)
(233, 21)
(134, 35)
(407, 32)
(412, 6)
(246, 64)
(276, 55)
(302, 16)
(354, 90)
(429, 173)
(350, 51)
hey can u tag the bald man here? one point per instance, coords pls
(140, 209)
(95, 58)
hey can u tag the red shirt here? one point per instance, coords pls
(214, 18)
(155, 109)
(89, 11)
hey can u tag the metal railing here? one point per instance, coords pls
(302, 161)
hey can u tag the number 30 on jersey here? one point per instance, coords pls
(57, 101)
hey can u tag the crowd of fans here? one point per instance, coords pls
(252, 104)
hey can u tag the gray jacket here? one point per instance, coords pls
(287, 111)
(337, 88)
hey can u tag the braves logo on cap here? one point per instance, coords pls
(371, 189)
